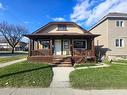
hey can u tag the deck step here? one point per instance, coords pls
(65, 62)
(57, 59)
(61, 61)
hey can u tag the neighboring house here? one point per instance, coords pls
(61, 42)
(4, 46)
(113, 40)
(21, 46)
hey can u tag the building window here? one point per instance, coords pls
(80, 44)
(119, 43)
(62, 27)
(120, 23)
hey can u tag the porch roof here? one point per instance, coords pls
(61, 35)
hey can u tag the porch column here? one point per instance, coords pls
(62, 46)
(51, 46)
(37, 44)
(31, 46)
(71, 47)
(93, 48)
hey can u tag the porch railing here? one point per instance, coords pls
(41, 52)
(82, 52)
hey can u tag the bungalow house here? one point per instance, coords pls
(112, 43)
(62, 43)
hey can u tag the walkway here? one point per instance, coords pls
(61, 77)
(11, 62)
(98, 66)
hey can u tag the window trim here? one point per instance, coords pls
(123, 43)
(80, 40)
(119, 23)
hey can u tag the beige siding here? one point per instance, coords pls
(70, 29)
(101, 29)
(109, 32)
(115, 33)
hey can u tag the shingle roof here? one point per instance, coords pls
(36, 33)
(116, 14)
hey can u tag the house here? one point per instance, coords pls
(4, 45)
(61, 42)
(112, 43)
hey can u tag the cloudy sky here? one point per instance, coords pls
(35, 13)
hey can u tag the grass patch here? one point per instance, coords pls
(12, 58)
(113, 77)
(84, 65)
(121, 61)
(26, 74)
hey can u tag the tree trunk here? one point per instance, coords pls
(12, 50)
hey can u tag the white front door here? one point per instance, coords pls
(57, 47)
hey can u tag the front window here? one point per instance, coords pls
(80, 44)
(120, 23)
(119, 43)
(62, 27)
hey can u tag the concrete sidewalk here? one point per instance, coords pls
(58, 91)
(11, 62)
(61, 77)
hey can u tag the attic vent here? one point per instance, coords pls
(62, 27)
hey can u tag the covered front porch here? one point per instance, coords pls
(73, 48)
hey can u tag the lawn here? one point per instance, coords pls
(113, 77)
(121, 61)
(11, 58)
(26, 74)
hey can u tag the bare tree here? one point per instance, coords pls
(12, 33)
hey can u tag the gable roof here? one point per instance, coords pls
(37, 34)
(56, 23)
(110, 15)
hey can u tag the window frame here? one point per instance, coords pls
(121, 44)
(119, 23)
(80, 40)
(60, 25)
